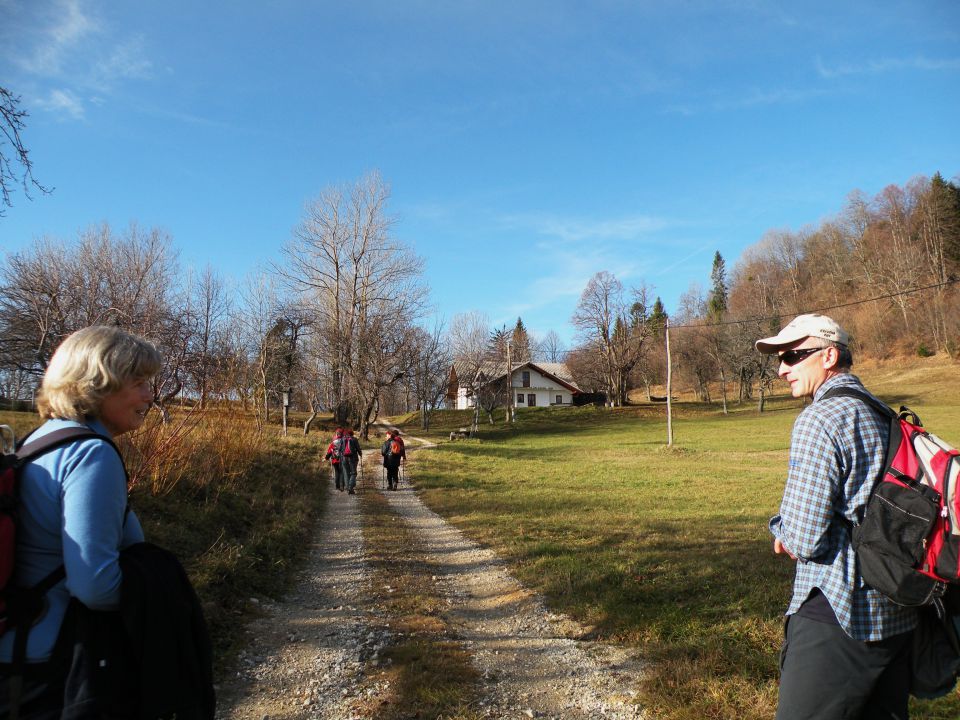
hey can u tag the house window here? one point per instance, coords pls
(519, 398)
(531, 400)
(526, 378)
(559, 399)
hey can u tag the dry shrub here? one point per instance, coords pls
(206, 448)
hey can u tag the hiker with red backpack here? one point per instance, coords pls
(393, 453)
(81, 570)
(333, 455)
(846, 645)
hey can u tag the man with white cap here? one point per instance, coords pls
(846, 647)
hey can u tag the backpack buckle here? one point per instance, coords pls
(8, 440)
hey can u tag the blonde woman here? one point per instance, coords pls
(73, 510)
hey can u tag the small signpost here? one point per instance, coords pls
(286, 407)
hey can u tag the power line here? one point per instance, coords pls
(951, 281)
(888, 296)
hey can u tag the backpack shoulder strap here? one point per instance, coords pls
(31, 449)
(885, 411)
(844, 391)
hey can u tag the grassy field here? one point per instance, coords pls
(664, 548)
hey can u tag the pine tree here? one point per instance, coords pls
(946, 198)
(658, 318)
(717, 304)
(497, 344)
(520, 351)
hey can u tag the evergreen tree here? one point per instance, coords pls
(717, 304)
(497, 344)
(638, 315)
(658, 318)
(520, 350)
(946, 198)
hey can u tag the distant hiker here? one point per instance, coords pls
(846, 646)
(393, 453)
(80, 647)
(350, 455)
(333, 455)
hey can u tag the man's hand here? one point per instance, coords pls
(780, 549)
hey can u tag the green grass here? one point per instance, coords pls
(664, 548)
(430, 675)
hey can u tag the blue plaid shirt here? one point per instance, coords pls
(837, 450)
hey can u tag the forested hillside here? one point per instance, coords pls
(887, 268)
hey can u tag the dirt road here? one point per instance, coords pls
(320, 652)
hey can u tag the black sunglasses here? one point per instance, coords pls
(792, 357)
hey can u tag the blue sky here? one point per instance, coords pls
(528, 145)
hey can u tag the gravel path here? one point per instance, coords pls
(309, 654)
(531, 659)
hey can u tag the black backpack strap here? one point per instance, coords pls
(845, 391)
(31, 602)
(882, 409)
(29, 450)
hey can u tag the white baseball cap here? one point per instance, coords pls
(803, 326)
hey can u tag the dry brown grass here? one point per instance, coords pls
(201, 447)
(430, 675)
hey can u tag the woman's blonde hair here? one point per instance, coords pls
(89, 365)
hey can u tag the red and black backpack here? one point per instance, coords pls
(19, 607)
(908, 541)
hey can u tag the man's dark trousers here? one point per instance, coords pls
(827, 675)
(393, 474)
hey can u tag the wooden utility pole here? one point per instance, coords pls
(666, 326)
(509, 385)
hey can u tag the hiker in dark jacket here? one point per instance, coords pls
(350, 457)
(393, 454)
(73, 503)
(333, 455)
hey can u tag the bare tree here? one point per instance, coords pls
(207, 308)
(16, 168)
(254, 318)
(431, 363)
(358, 282)
(468, 337)
(51, 289)
(613, 333)
(550, 348)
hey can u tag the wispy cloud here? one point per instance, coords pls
(66, 45)
(684, 260)
(877, 67)
(68, 26)
(550, 298)
(575, 230)
(127, 61)
(62, 102)
(756, 97)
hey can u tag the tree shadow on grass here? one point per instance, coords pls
(704, 604)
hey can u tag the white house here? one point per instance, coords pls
(531, 384)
